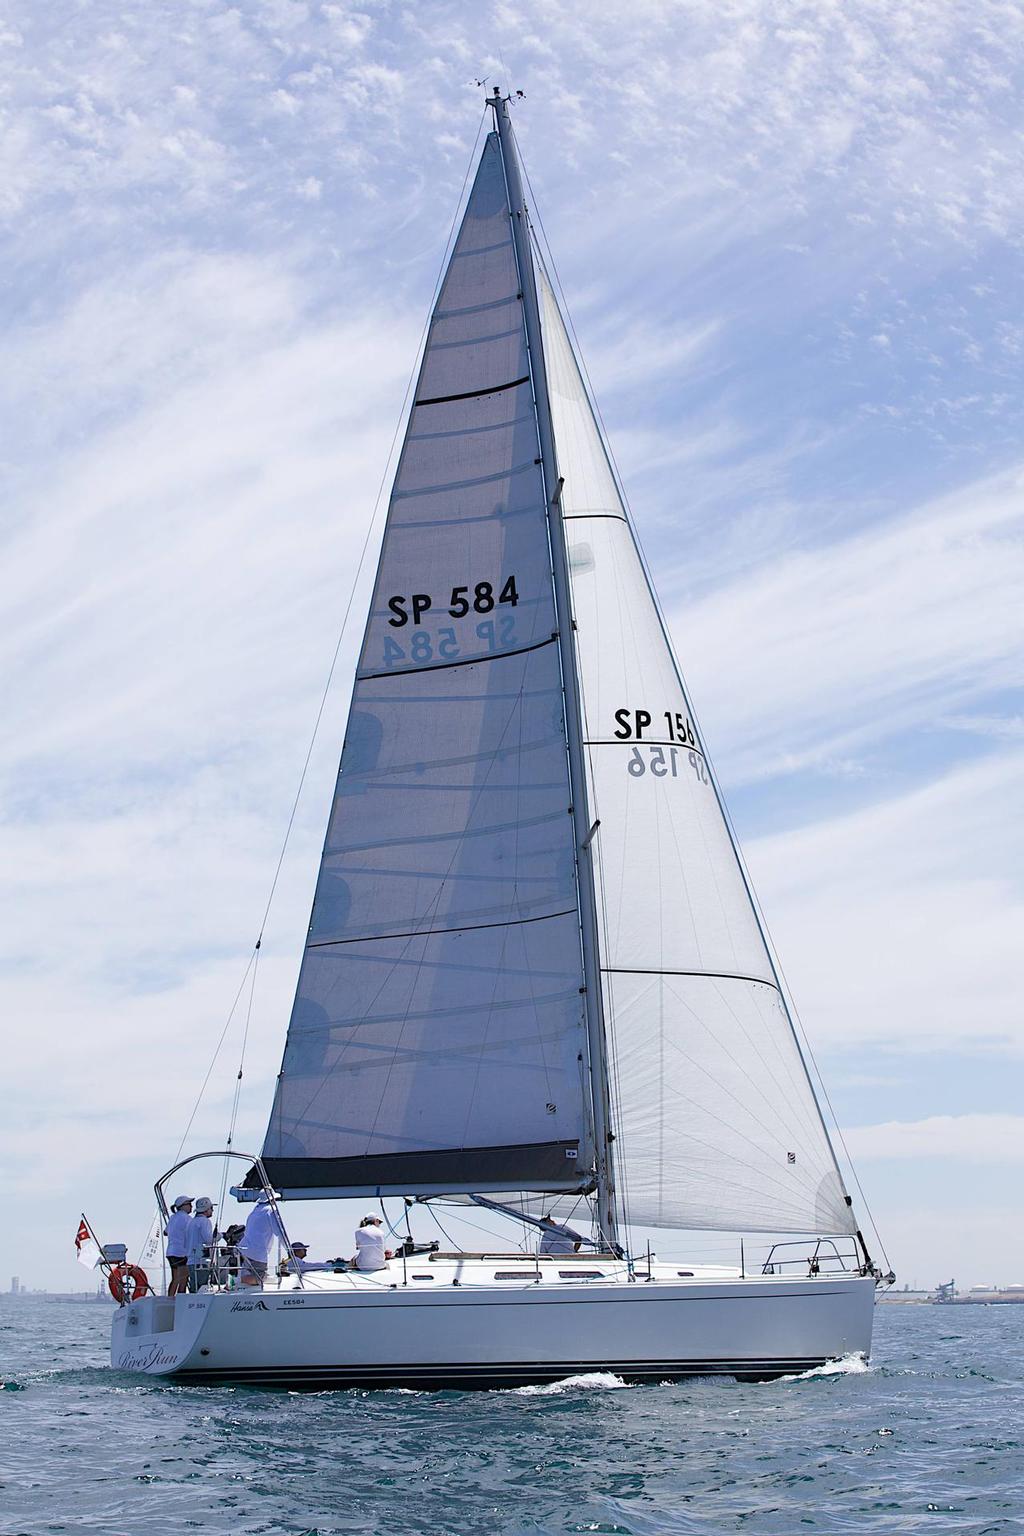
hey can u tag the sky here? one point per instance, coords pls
(790, 239)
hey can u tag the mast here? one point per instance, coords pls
(600, 1097)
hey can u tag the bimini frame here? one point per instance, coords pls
(265, 1187)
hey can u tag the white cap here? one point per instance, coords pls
(371, 1216)
(204, 1205)
(181, 1200)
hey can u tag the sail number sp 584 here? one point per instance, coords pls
(478, 597)
(428, 646)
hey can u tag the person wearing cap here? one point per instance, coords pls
(302, 1265)
(370, 1251)
(200, 1243)
(262, 1227)
(556, 1239)
(178, 1233)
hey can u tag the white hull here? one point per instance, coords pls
(359, 1333)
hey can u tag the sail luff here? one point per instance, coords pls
(605, 1201)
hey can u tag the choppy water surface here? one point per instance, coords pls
(929, 1437)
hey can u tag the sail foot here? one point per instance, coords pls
(553, 1165)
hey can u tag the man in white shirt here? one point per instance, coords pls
(370, 1251)
(556, 1239)
(178, 1227)
(200, 1242)
(262, 1227)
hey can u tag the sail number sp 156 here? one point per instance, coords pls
(659, 758)
(634, 724)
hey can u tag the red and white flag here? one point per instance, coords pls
(88, 1249)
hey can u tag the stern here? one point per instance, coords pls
(157, 1335)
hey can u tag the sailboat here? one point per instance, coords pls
(536, 977)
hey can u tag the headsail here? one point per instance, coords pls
(717, 1124)
(437, 1038)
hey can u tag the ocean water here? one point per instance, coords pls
(929, 1437)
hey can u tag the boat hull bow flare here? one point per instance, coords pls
(434, 1335)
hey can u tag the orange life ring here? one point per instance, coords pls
(128, 1282)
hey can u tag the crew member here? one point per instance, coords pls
(262, 1227)
(178, 1228)
(200, 1243)
(370, 1251)
(556, 1239)
(302, 1264)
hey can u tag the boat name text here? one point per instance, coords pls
(145, 1359)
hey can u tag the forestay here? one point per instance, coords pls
(437, 1038)
(717, 1125)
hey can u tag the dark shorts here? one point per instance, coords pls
(175, 1261)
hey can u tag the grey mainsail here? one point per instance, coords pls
(437, 1038)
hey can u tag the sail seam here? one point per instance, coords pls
(417, 933)
(475, 341)
(648, 741)
(474, 309)
(472, 394)
(502, 516)
(494, 426)
(406, 840)
(577, 517)
(633, 970)
(466, 661)
(460, 485)
(481, 250)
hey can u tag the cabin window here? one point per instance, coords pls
(424, 1277)
(581, 1274)
(685, 1274)
(514, 1274)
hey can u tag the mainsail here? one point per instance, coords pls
(717, 1123)
(482, 982)
(437, 1039)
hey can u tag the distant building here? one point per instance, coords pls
(15, 1285)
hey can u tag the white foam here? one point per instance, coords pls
(591, 1381)
(847, 1365)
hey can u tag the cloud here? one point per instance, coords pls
(901, 922)
(220, 242)
(174, 594)
(999, 727)
(975, 1138)
(824, 653)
